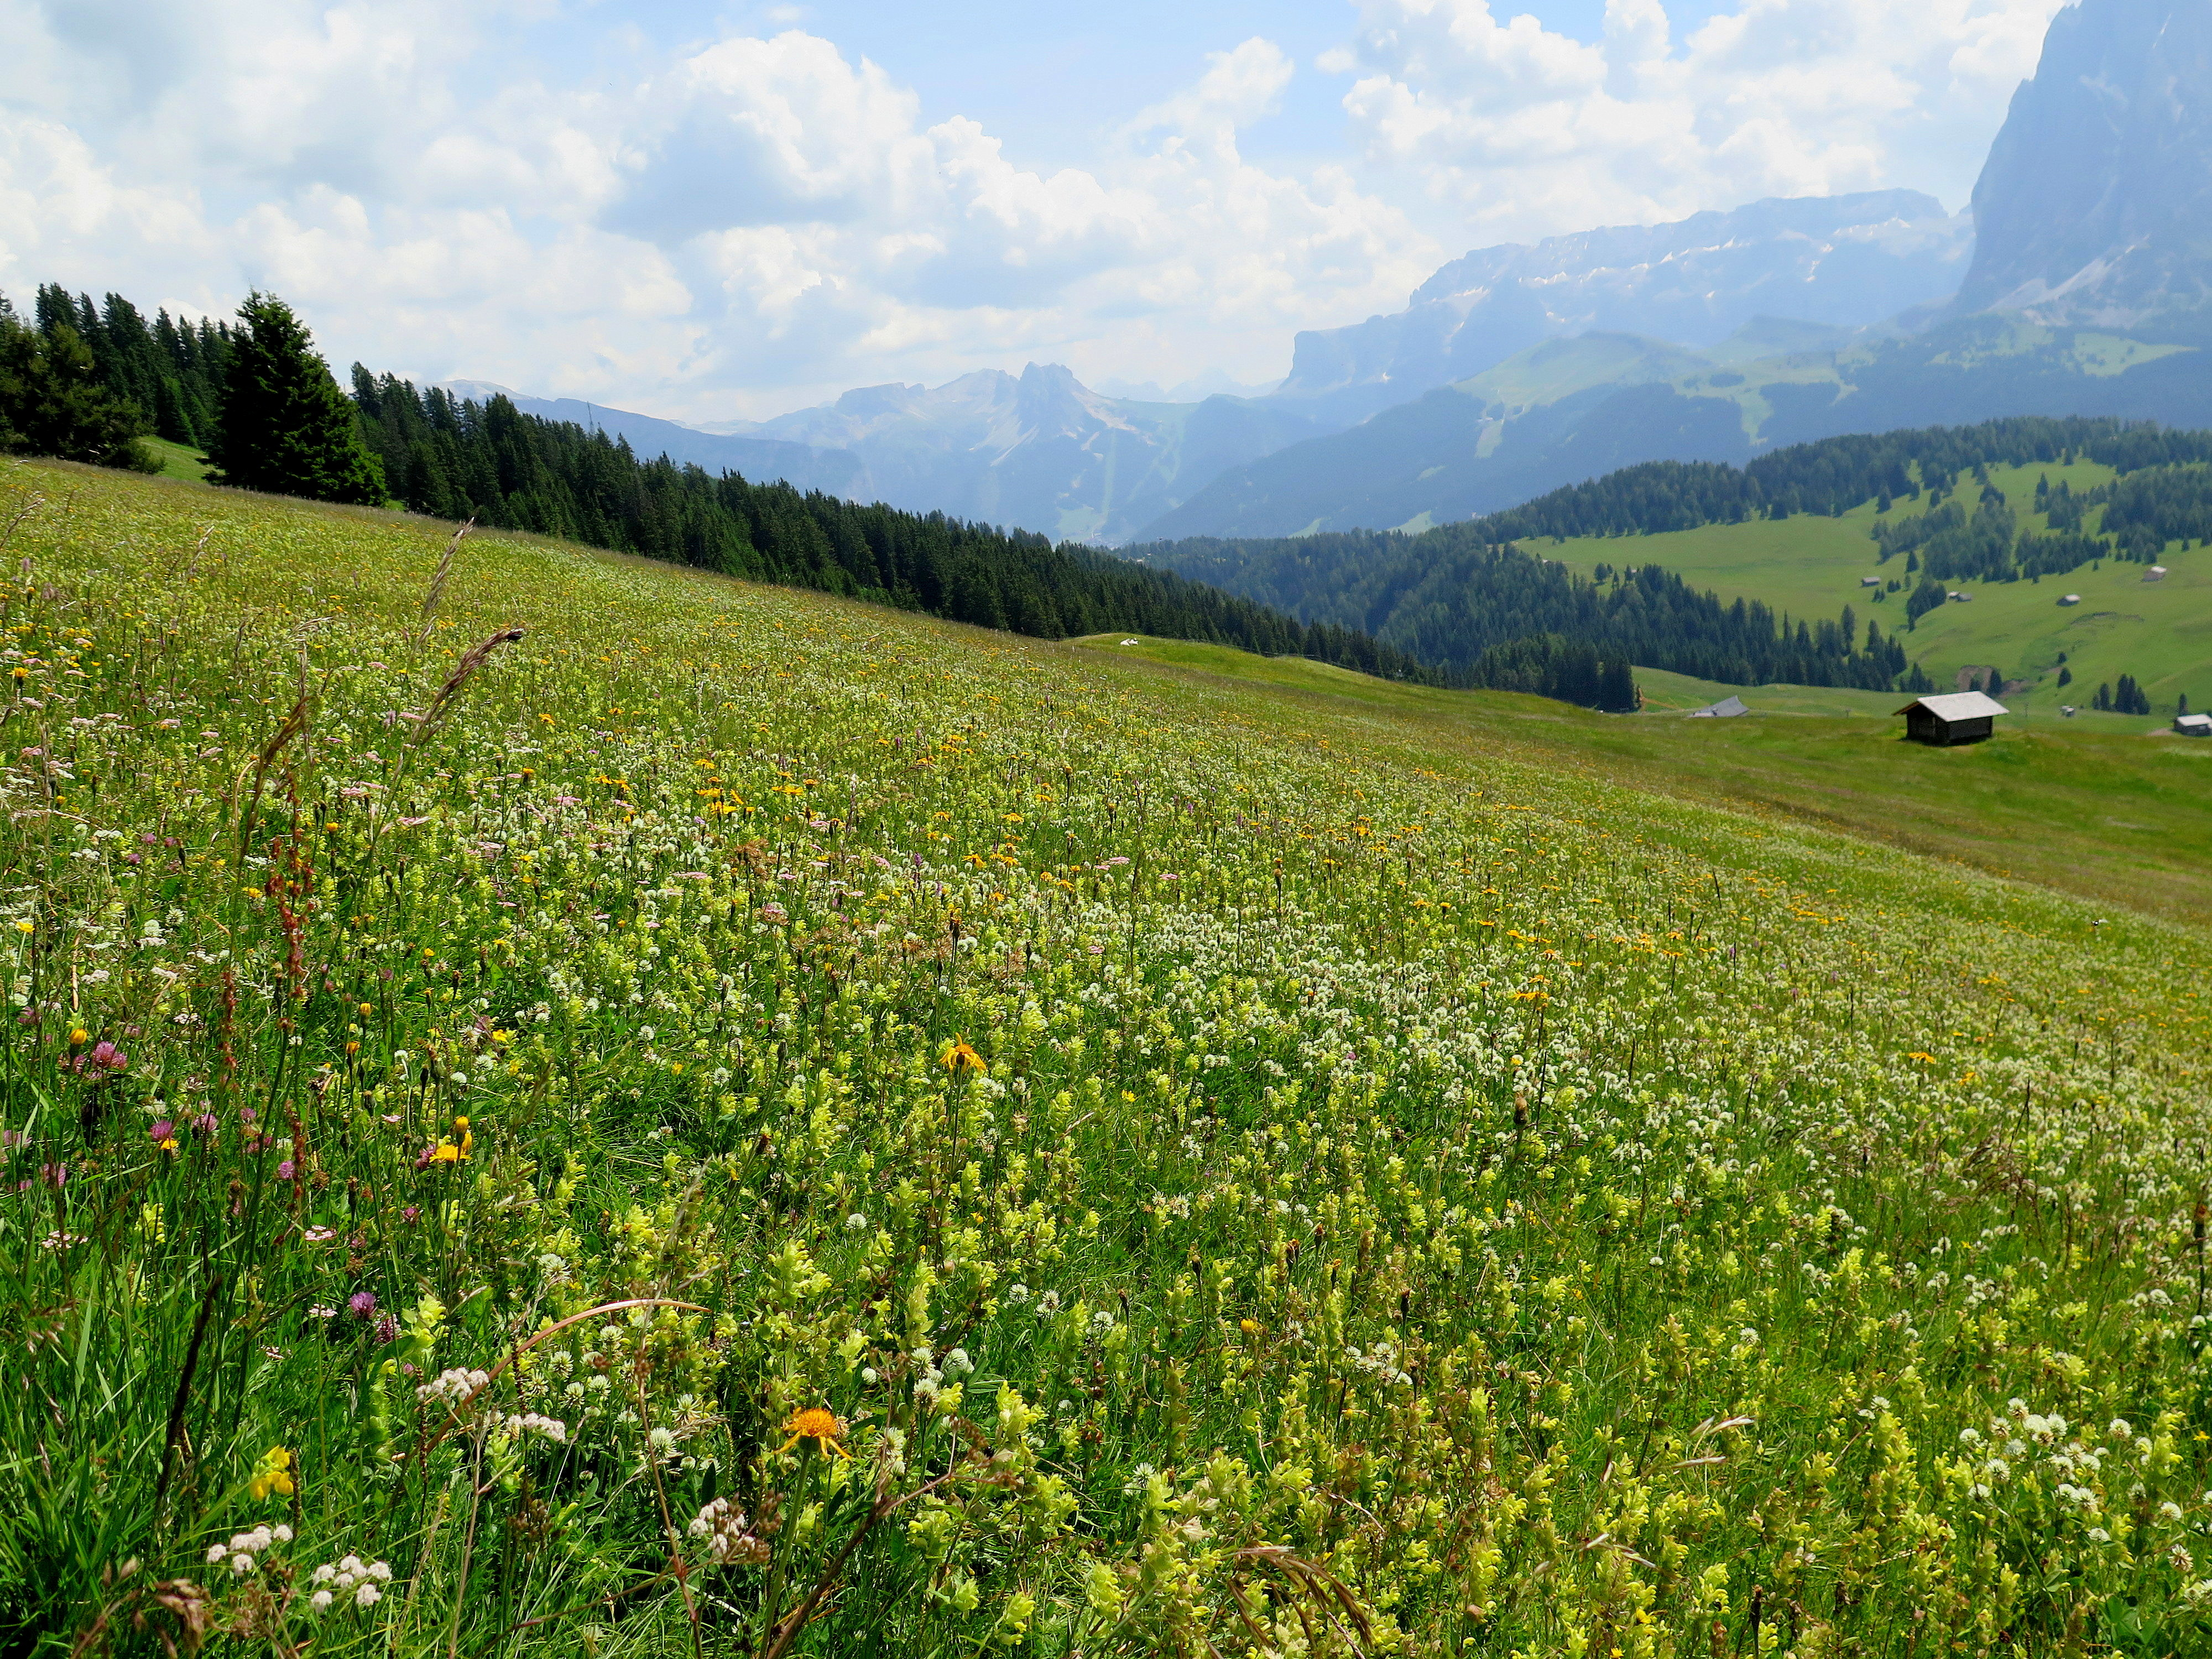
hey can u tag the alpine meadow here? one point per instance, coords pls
(559, 1104)
(981, 853)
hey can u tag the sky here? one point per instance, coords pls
(721, 211)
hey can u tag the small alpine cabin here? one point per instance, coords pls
(1959, 717)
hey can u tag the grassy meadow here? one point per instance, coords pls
(731, 1122)
(2110, 807)
(1811, 566)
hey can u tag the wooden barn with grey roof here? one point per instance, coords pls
(1959, 717)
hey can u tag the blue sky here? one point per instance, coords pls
(718, 211)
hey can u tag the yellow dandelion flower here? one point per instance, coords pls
(817, 1425)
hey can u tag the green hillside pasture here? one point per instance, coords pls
(2100, 805)
(1666, 694)
(177, 460)
(1810, 566)
(738, 1123)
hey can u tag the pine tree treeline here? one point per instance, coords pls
(1567, 670)
(1831, 475)
(1448, 603)
(52, 401)
(173, 371)
(453, 459)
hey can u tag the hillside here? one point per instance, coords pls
(1802, 566)
(1566, 411)
(739, 1118)
(2102, 805)
(2158, 628)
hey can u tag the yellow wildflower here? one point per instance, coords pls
(272, 1473)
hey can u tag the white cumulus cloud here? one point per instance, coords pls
(1518, 132)
(750, 221)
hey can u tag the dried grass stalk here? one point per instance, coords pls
(438, 579)
(475, 658)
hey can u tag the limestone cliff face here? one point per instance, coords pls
(2095, 206)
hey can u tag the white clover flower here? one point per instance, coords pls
(320, 1600)
(2121, 1429)
(2170, 1510)
(2098, 1535)
(241, 1564)
(324, 1574)
(282, 1533)
(856, 1223)
(367, 1595)
(216, 1551)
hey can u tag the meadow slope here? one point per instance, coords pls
(740, 1122)
(1810, 565)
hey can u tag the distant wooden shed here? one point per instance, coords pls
(1959, 717)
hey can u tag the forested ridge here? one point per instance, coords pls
(455, 459)
(1454, 594)
(1449, 602)
(84, 382)
(1464, 604)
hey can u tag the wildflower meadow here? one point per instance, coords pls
(556, 1105)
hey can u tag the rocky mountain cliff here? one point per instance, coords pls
(1846, 260)
(2095, 205)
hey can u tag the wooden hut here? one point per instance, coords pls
(1960, 717)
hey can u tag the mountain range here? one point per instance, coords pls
(2079, 282)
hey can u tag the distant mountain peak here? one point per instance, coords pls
(1838, 261)
(2095, 205)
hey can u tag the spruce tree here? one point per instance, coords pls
(285, 427)
(52, 401)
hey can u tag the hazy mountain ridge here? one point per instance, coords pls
(1040, 449)
(1572, 410)
(1847, 260)
(1516, 368)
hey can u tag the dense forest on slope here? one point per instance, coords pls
(1452, 594)
(457, 459)
(173, 371)
(1451, 602)
(81, 380)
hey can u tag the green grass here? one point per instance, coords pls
(2098, 805)
(1811, 566)
(740, 1122)
(177, 460)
